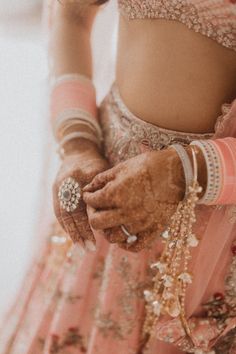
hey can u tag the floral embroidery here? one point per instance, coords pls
(108, 326)
(214, 19)
(71, 338)
(227, 344)
(99, 269)
(218, 308)
(127, 136)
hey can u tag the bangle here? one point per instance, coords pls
(187, 167)
(214, 176)
(74, 93)
(76, 135)
(72, 117)
(73, 102)
(55, 81)
(227, 156)
(172, 276)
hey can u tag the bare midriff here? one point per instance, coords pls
(173, 77)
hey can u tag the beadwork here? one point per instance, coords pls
(69, 194)
(214, 19)
(172, 276)
(214, 175)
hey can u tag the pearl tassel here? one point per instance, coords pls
(172, 277)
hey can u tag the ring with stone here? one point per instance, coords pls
(130, 238)
(69, 194)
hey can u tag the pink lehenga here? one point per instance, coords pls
(95, 304)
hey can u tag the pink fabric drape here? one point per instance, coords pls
(49, 303)
(216, 226)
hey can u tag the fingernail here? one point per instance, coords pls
(86, 188)
(78, 248)
(90, 246)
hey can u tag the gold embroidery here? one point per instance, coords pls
(127, 136)
(214, 19)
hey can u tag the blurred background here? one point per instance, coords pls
(28, 161)
(23, 80)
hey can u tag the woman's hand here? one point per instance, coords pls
(83, 166)
(140, 193)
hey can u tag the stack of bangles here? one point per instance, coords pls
(73, 108)
(220, 159)
(172, 277)
(74, 115)
(73, 103)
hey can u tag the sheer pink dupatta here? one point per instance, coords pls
(216, 227)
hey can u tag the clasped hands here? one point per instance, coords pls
(140, 193)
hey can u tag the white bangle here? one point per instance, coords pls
(66, 117)
(187, 166)
(57, 80)
(214, 178)
(76, 135)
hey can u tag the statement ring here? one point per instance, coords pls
(130, 238)
(69, 194)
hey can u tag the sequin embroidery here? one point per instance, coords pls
(214, 19)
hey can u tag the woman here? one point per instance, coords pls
(175, 84)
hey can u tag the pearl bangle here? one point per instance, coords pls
(214, 177)
(188, 170)
(76, 135)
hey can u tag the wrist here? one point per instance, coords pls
(80, 146)
(170, 173)
(201, 167)
(178, 175)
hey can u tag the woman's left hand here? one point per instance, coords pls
(140, 193)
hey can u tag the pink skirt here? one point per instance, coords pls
(95, 304)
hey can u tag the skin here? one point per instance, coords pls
(178, 65)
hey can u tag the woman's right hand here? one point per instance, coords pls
(83, 166)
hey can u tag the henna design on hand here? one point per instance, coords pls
(83, 167)
(144, 190)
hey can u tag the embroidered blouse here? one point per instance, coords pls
(215, 19)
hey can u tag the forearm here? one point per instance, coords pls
(70, 46)
(70, 52)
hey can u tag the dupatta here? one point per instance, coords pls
(214, 255)
(213, 324)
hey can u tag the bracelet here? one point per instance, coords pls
(72, 94)
(172, 276)
(72, 117)
(188, 170)
(227, 155)
(73, 102)
(55, 81)
(214, 176)
(76, 135)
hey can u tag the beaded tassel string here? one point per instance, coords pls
(167, 297)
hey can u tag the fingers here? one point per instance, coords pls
(77, 226)
(100, 180)
(71, 230)
(82, 224)
(145, 237)
(75, 223)
(100, 199)
(101, 220)
(138, 226)
(56, 206)
(145, 240)
(115, 235)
